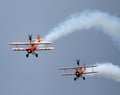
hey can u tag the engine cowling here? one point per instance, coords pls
(29, 51)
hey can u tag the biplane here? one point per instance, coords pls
(33, 45)
(80, 71)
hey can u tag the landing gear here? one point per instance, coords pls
(83, 78)
(27, 55)
(75, 79)
(36, 55)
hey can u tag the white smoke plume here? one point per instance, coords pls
(109, 24)
(107, 70)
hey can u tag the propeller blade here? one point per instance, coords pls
(30, 38)
(78, 62)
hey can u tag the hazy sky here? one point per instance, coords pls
(40, 76)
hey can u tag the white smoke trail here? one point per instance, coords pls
(86, 20)
(107, 70)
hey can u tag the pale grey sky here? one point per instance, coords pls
(40, 76)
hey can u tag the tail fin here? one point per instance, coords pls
(85, 65)
(38, 38)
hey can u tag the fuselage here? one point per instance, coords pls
(33, 47)
(80, 71)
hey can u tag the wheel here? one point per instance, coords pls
(83, 78)
(27, 55)
(74, 79)
(36, 55)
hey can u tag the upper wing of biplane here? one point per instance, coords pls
(67, 68)
(19, 43)
(38, 49)
(45, 42)
(91, 66)
(29, 43)
(67, 74)
(89, 72)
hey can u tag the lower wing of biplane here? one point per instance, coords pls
(72, 74)
(38, 49)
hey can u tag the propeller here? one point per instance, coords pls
(78, 62)
(30, 38)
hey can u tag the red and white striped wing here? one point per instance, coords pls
(67, 68)
(19, 49)
(45, 42)
(91, 66)
(45, 48)
(28, 43)
(19, 43)
(89, 72)
(67, 74)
